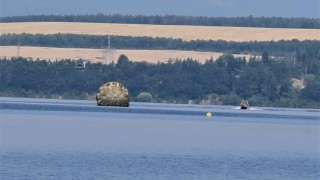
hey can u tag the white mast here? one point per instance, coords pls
(109, 53)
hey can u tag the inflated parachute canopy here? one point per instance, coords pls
(112, 94)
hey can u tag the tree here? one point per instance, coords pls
(144, 97)
(265, 57)
(312, 89)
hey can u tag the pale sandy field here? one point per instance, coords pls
(97, 55)
(169, 31)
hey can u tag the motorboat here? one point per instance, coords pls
(244, 104)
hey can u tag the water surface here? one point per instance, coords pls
(66, 139)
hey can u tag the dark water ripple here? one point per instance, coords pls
(55, 165)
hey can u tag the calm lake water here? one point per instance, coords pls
(68, 139)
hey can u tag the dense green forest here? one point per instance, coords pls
(275, 48)
(249, 21)
(265, 82)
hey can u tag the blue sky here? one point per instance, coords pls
(212, 8)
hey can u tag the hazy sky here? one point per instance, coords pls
(227, 8)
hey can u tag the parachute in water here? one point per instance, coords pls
(112, 94)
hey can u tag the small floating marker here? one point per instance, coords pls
(209, 114)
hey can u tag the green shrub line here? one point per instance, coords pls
(248, 21)
(274, 48)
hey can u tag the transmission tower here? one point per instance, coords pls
(108, 54)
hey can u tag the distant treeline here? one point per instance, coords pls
(249, 21)
(275, 48)
(265, 82)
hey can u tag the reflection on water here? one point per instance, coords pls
(59, 139)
